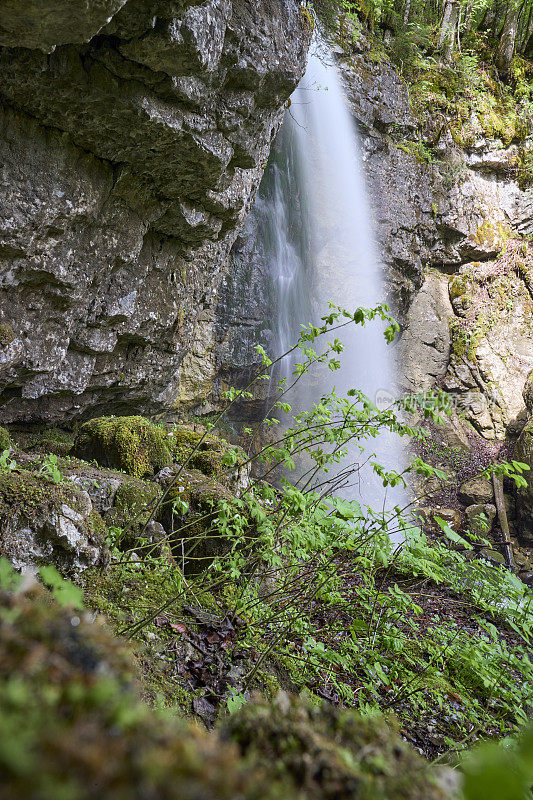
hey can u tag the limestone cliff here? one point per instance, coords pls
(133, 136)
(448, 196)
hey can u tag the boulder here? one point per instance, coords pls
(132, 444)
(452, 432)
(101, 486)
(450, 515)
(480, 518)
(476, 490)
(46, 523)
(493, 556)
(78, 728)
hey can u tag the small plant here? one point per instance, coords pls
(50, 469)
(7, 464)
(63, 591)
(235, 701)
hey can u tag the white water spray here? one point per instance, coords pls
(339, 261)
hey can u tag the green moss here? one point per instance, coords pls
(24, 491)
(6, 334)
(132, 444)
(33, 438)
(54, 440)
(5, 439)
(26, 496)
(492, 234)
(337, 753)
(134, 503)
(73, 727)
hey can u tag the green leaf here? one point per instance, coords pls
(64, 592)
(9, 578)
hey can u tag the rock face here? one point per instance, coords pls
(43, 523)
(425, 344)
(440, 205)
(133, 136)
(492, 340)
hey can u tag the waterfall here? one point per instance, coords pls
(327, 252)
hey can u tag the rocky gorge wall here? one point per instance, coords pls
(133, 136)
(447, 201)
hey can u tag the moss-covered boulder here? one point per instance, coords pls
(330, 753)
(42, 522)
(134, 503)
(188, 513)
(71, 725)
(131, 444)
(207, 453)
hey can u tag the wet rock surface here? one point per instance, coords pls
(144, 130)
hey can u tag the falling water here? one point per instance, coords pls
(328, 252)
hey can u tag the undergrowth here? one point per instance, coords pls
(310, 584)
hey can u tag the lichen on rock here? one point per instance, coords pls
(42, 522)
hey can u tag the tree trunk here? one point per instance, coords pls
(507, 43)
(448, 29)
(525, 29)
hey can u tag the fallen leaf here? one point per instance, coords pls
(179, 627)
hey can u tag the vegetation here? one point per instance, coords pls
(446, 30)
(131, 444)
(301, 589)
(466, 65)
(320, 594)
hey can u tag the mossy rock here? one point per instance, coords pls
(131, 444)
(330, 753)
(134, 503)
(5, 439)
(191, 530)
(44, 522)
(209, 455)
(73, 727)
(54, 440)
(33, 438)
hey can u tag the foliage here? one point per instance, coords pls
(7, 464)
(64, 592)
(319, 589)
(50, 469)
(500, 771)
(5, 439)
